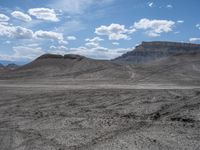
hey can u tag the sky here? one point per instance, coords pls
(100, 29)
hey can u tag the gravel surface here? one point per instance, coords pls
(59, 118)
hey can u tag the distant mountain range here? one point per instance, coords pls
(5, 62)
(11, 66)
(151, 51)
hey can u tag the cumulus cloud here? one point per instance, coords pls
(95, 39)
(71, 38)
(194, 39)
(155, 27)
(180, 21)
(90, 44)
(4, 18)
(63, 42)
(21, 16)
(44, 14)
(94, 42)
(151, 4)
(115, 43)
(27, 52)
(114, 31)
(49, 35)
(58, 49)
(198, 26)
(169, 6)
(19, 32)
(99, 52)
(23, 53)
(15, 32)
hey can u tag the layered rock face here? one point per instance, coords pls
(149, 51)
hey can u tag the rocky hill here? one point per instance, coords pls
(150, 51)
(180, 68)
(68, 66)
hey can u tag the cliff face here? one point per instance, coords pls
(149, 51)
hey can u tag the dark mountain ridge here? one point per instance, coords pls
(150, 51)
(68, 66)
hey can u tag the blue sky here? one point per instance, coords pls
(101, 29)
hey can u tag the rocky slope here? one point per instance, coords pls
(180, 68)
(150, 51)
(68, 66)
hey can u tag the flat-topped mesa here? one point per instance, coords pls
(73, 56)
(50, 56)
(168, 47)
(166, 43)
(149, 51)
(55, 56)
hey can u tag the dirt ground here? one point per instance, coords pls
(105, 117)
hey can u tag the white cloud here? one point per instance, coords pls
(115, 43)
(198, 26)
(90, 44)
(44, 14)
(71, 38)
(21, 16)
(27, 52)
(180, 21)
(114, 31)
(99, 52)
(7, 42)
(4, 18)
(58, 49)
(33, 45)
(155, 27)
(194, 39)
(15, 32)
(169, 6)
(177, 32)
(94, 42)
(63, 42)
(49, 35)
(151, 4)
(23, 53)
(18, 32)
(95, 39)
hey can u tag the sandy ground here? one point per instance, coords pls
(99, 86)
(99, 117)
